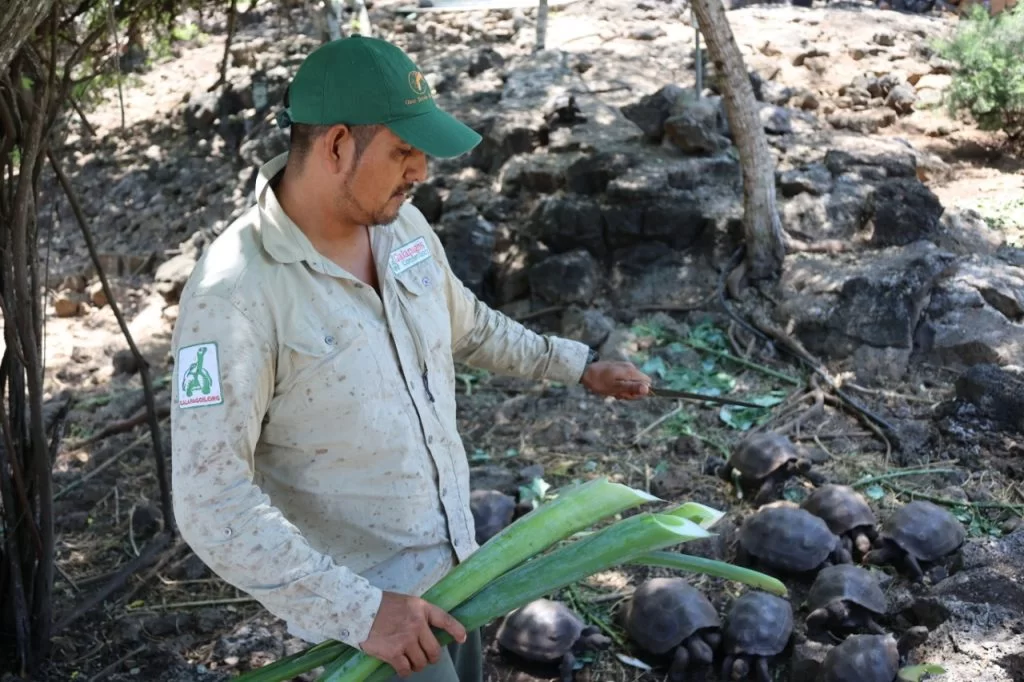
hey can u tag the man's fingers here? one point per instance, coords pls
(402, 666)
(430, 645)
(439, 618)
(416, 657)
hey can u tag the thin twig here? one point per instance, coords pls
(897, 474)
(152, 551)
(746, 363)
(81, 116)
(950, 502)
(888, 394)
(117, 58)
(147, 383)
(124, 425)
(232, 13)
(201, 602)
(110, 668)
(109, 461)
(657, 422)
(540, 313)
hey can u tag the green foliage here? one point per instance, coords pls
(989, 79)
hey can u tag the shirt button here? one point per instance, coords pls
(329, 340)
(344, 633)
(227, 532)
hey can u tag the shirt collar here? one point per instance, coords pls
(282, 238)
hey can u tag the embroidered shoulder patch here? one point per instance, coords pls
(199, 376)
(408, 255)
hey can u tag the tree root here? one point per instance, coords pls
(770, 332)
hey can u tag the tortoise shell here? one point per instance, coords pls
(789, 538)
(924, 530)
(761, 454)
(665, 611)
(842, 508)
(542, 630)
(758, 624)
(862, 658)
(848, 583)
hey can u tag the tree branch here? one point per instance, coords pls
(147, 382)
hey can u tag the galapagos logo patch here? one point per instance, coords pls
(404, 257)
(199, 376)
(420, 87)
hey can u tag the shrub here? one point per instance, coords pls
(989, 78)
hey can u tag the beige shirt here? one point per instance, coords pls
(316, 460)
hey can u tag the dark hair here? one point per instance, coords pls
(303, 135)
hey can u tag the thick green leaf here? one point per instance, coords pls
(916, 673)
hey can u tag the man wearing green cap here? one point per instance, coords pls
(316, 459)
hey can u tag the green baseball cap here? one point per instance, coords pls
(365, 81)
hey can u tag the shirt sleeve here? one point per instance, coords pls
(225, 381)
(485, 338)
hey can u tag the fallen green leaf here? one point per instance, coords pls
(916, 673)
(875, 492)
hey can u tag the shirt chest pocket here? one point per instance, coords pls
(322, 351)
(421, 293)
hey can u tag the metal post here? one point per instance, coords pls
(698, 59)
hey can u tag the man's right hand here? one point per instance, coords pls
(401, 635)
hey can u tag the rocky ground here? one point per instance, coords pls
(613, 225)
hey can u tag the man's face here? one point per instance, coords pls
(379, 181)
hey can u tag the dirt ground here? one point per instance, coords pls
(176, 621)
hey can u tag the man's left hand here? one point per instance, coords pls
(620, 380)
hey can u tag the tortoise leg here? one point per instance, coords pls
(565, 669)
(725, 473)
(761, 666)
(592, 638)
(839, 555)
(699, 650)
(767, 492)
(743, 557)
(727, 666)
(847, 543)
(873, 627)
(680, 664)
(885, 554)
(713, 638)
(913, 567)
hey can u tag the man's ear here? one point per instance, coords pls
(338, 147)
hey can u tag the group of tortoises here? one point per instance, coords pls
(834, 524)
(821, 541)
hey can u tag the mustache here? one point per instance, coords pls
(405, 189)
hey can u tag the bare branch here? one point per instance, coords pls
(147, 382)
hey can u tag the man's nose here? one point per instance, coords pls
(417, 170)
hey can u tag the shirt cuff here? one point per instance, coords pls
(568, 360)
(352, 623)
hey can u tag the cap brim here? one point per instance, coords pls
(436, 133)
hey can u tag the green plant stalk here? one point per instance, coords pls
(574, 509)
(611, 546)
(746, 363)
(896, 474)
(719, 569)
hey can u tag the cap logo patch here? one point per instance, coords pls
(419, 86)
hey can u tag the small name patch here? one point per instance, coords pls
(199, 376)
(408, 255)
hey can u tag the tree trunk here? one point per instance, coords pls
(18, 21)
(762, 227)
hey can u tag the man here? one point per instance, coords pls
(316, 460)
